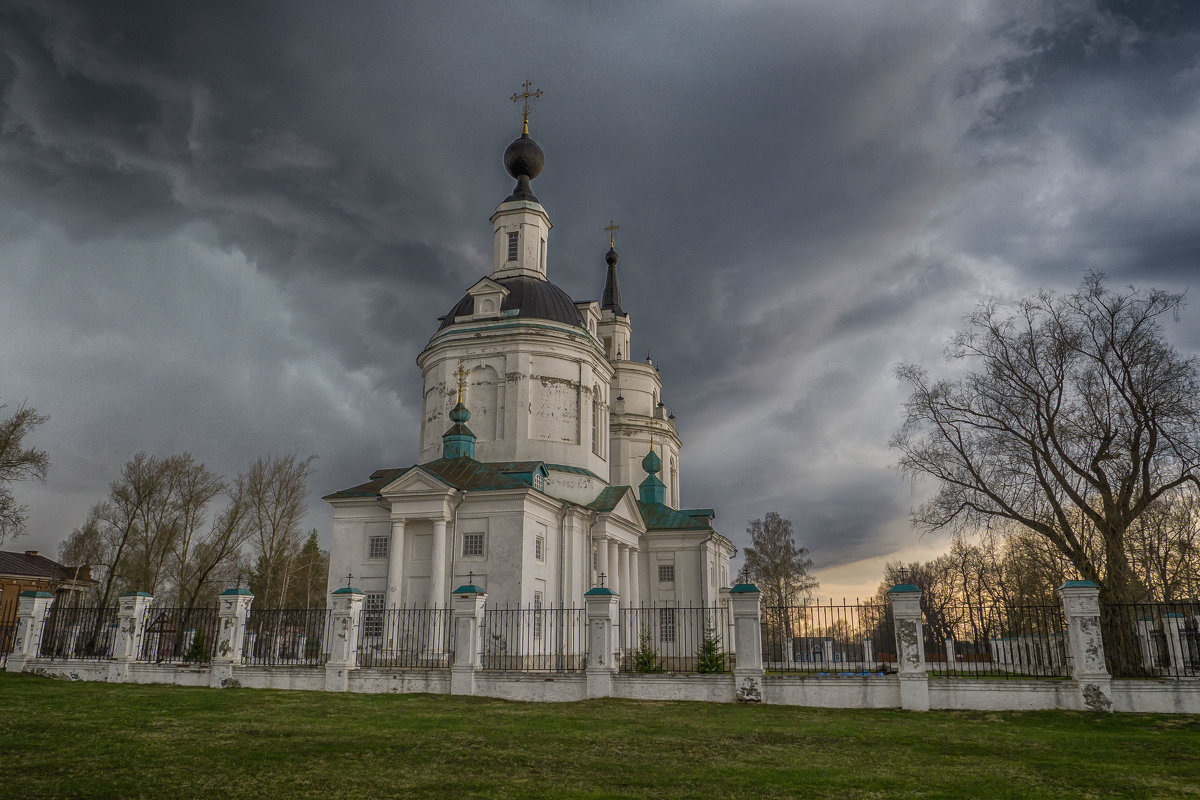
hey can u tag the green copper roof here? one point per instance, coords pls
(608, 498)
(459, 473)
(743, 588)
(574, 471)
(238, 592)
(32, 593)
(1081, 584)
(659, 517)
(905, 587)
(468, 588)
(136, 594)
(599, 591)
(348, 590)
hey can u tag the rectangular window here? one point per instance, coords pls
(666, 623)
(514, 246)
(666, 573)
(472, 544)
(539, 482)
(377, 547)
(539, 548)
(537, 615)
(372, 618)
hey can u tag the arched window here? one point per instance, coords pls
(674, 482)
(597, 428)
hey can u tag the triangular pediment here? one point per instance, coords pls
(487, 286)
(620, 502)
(415, 481)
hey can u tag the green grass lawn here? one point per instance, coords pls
(95, 740)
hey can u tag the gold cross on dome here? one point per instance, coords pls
(462, 374)
(610, 227)
(524, 98)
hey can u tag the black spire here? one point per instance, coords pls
(611, 300)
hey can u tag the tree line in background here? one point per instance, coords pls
(175, 529)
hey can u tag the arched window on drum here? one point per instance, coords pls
(597, 423)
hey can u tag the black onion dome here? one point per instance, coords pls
(532, 298)
(524, 161)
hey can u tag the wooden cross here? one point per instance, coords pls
(349, 577)
(610, 227)
(524, 98)
(462, 374)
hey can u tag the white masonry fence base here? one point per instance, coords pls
(1089, 688)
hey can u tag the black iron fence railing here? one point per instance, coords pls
(407, 638)
(817, 638)
(533, 639)
(1152, 640)
(675, 639)
(179, 635)
(8, 627)
(295, 637)
(996, 641)
(83, 633)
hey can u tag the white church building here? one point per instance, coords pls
(547, 463)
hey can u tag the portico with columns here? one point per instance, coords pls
(548, 461)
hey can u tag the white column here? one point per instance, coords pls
(910, 647)
(602, 623)
(614, 564)
(467, 614)
(395, 577)
(635, 579)
(745, 603)
(345, 618)
(602, 563)
(32, 609)
(626, 581)
(1081, 607)
(437, 581)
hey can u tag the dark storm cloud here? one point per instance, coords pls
(242, 220)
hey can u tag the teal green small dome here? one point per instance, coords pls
(459, 414)
(651, 463)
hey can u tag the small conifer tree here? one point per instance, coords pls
(198, 651)
(644, 657)
(710, 657)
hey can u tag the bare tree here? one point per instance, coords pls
(18, 463)
(1164, 547)
(776, 564)
(218, 552)
(275, 490)
(1077, 417)
(194, 486)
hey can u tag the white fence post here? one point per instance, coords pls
(467, 608)
(32, 609)
(233, 610)
(1085, 644)
(131, 622)
(746, 605)
(345, 613)
(910, 646)
(602, 625)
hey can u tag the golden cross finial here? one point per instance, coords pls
(524, 98)
(462, 374)
(610, 227)
(652, 443)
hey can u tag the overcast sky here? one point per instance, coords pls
(229, 228)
